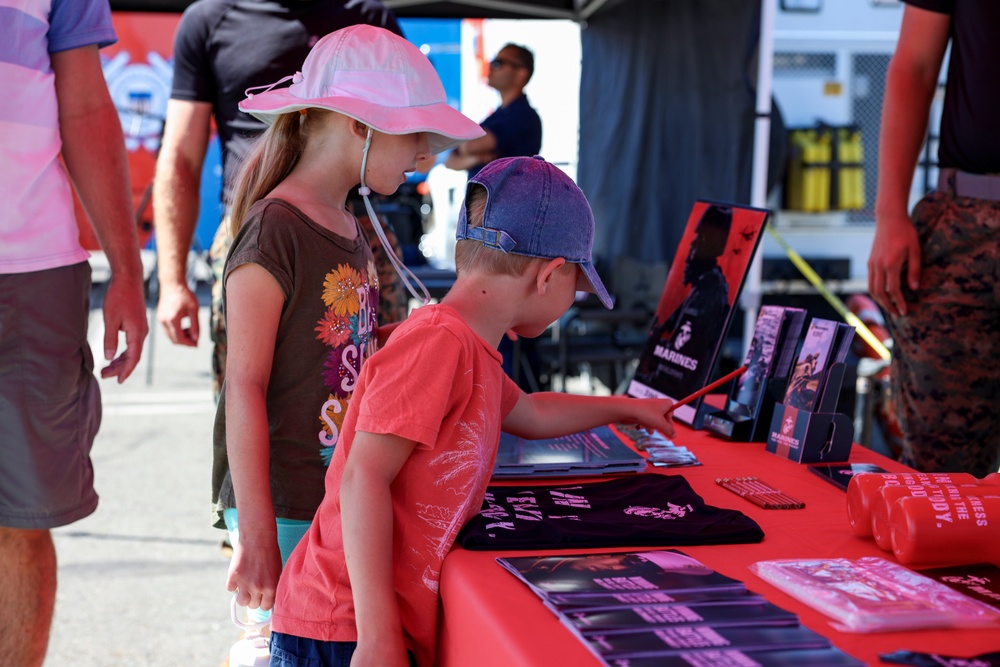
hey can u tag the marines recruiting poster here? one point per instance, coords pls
(697, 304)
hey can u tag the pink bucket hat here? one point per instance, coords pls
(374, 76)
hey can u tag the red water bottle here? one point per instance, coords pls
(886, 496)
(862, 488)
(946, 531)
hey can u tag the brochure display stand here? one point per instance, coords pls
(751, 400)
(741, 426)
(804, 436)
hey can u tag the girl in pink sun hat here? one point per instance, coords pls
(300, 286)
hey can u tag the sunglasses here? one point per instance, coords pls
(497, 63)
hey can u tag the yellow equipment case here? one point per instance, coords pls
(825, 169)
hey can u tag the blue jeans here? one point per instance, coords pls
(292, 651)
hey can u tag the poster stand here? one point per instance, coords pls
(696, 307)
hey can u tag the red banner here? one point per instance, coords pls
(138, 69)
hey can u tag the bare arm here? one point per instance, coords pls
(175, 212)
(472, 153)
(372, 465)
(551, 414)
(910, 84)
(93, 149)
(253, 306)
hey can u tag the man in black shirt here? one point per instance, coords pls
(935, 270)
(223, 47)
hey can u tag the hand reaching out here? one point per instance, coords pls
(655, 413)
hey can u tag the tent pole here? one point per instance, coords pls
(751, 296)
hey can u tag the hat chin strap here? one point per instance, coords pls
(404, 273)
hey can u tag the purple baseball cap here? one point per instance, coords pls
(533, 208)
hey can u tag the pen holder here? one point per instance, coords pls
(810, 437)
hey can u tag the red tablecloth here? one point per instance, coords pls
(490, 618)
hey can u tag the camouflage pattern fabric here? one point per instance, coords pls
(392, 303)
(946, 350)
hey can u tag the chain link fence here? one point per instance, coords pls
(865, 73)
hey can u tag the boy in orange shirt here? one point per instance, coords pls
(420, 437)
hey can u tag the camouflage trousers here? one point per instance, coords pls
(946, 349)
(392, 303)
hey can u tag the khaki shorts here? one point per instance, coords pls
(50, 404)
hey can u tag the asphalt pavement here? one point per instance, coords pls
(142, 580)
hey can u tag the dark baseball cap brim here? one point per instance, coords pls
(589, 281)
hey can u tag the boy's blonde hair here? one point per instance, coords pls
(471, 254)
(275, 153)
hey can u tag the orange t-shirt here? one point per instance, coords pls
(439, 384)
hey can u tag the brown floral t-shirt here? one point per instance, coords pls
(327, 329)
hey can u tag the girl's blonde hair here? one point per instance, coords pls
(275, 153)
(471, 254)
